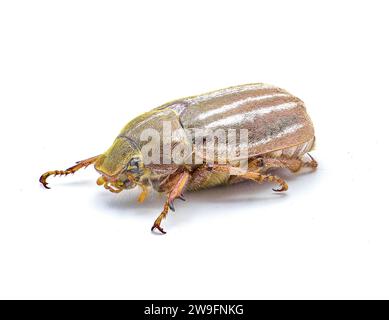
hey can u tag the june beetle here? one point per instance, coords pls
(171, 148)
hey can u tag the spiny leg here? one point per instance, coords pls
(293, 165)
(178, 184)
(263, 164)
(267, 178)
(253, 175)
(80, 164)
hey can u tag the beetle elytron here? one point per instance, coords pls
(280, 134)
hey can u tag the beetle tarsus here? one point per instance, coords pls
(71, 170)
(160, 229)
(311, 164)
(157, 223)
(42, 180)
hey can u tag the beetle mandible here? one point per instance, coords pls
(279, 135)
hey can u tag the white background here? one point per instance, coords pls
(72, 73)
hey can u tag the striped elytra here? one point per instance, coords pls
(277, 121)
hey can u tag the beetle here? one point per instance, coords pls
(279, 134)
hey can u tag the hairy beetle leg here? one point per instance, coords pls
(80, 164)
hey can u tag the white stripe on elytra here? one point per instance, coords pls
(238, 103)
(241, 117)
(232, 90)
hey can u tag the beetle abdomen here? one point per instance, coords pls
(275, 119)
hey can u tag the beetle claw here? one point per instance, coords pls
(157, 226)
(46, 185)
(42, 180)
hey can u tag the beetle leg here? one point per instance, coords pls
(310, 164)
(80, 164)
(293, 165)
(176, 192)
(255, 176)
(266, 178)
(157, 222)
(145, 191)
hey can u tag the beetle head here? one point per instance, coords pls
(122, 163)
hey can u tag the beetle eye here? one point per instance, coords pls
(133, 165)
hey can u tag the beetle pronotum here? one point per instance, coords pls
(279, 133)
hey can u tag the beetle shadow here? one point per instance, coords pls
(208, 200)
(231, 199)
(77, 183)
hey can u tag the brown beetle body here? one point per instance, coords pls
(277, 122)
(275, 119)
(279, 134)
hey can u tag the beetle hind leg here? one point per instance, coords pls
(254, 176)
(80, 164)
(310, 164)
(291, 164)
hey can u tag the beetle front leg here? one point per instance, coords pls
(80, 164)
(178, 185)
